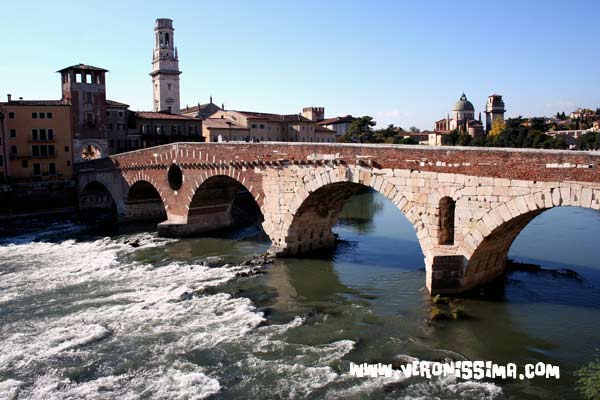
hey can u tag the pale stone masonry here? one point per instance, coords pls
(489, 194)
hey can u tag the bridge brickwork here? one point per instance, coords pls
(301, 188)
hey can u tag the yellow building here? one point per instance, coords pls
(37, 140)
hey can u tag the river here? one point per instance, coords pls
(105, 313)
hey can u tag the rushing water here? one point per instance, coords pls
(86, 314)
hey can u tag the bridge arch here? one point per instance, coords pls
(221, 201)
(143, 201)
(319, 199)
(488, 242)
(96, 196)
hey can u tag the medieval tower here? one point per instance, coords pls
(494, 110)
(165, 68)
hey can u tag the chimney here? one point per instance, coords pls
(9, 97)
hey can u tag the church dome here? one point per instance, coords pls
(463, 104)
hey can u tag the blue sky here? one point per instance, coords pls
(403, 62)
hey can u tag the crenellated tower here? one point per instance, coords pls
(165, 68)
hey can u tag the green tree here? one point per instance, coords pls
(407, 140)
(360, 131)
(588, 383)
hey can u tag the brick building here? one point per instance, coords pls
(84, 88)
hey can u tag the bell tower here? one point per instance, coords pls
(165, 68)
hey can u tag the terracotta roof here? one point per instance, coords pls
(336, 120)
(83, 67)
(202, 110)
(221, 123)
(112, 103)
(34, 103)
(161, 115)
(275, 117)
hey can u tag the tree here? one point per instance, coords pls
(360, 131)
(414, 129)
(407, 140)
(497, 127)
(588, 382)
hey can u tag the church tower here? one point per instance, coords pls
(165, 68)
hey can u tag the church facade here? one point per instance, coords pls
(463, 118)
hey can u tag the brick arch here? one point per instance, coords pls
(144, 207)
(140, 176)
(285, 241)
(487, 243)
(194, 181)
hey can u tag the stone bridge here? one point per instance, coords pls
(467, 205)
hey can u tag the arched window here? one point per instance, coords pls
(446, 221)
(167, 39)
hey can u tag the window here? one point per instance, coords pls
(110, 126)
(37, 170)
(88, 97)
(25, 164)
(446, 221)
(44, 151)
(11, 115)
(49, 115)
(51, 150)
(119, 127)
(35, 151)
(1, 160)
(253, 126)
(90, 119)
(13, 133)
(144, 128)
(34, 115)
(262, 126)
(50, 134)
(173, 130)
(108, 113)
(42, 115)
(51, 169)
(120, 113)
(66, 149)
(13, 149)
(68, 163)
(111, 143)
(43, 134)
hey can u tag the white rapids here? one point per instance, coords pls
(86, 320)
